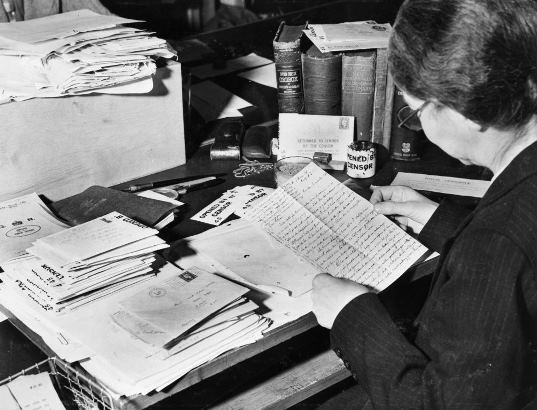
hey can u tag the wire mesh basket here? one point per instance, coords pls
(76, 390)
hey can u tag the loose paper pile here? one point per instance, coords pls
(77, 52)
(81, 264)
(91, 294)
(151, 348)
(348, 36)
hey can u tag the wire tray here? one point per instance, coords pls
(76, 390)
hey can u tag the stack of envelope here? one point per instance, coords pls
(353, 35)
(84, 263)
(77, 52)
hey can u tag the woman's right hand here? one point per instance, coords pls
(410, 209)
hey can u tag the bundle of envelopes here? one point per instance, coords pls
(76, 53)
(78, 265)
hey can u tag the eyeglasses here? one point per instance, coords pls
(409, 118)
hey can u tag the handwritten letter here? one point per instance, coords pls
(336, 230)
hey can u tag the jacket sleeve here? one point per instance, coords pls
(474, 337)
(442, 224)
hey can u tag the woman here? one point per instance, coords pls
(469, 70)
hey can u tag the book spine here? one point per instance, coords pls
(379, 105)
(322, 82)
(289, 76)
(388, 112)
(358, 89)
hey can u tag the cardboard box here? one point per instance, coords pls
(61, 146)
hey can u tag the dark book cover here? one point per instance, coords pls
(97, 201)
(287, 57)
(322, 82)
(358, 90)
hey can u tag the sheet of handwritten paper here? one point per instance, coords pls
(445, 185)
(35, 392)
(336, 230)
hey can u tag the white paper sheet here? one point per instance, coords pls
(265, 75)
(247, 251)
(35, 392)
(445, 185)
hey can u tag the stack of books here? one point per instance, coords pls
(339, 70)
(77, 52)
(81, 264)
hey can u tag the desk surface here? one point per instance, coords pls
(221, 378)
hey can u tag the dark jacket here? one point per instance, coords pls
(476, 345)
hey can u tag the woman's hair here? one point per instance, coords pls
(478, 57)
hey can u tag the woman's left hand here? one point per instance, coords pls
(330, 295)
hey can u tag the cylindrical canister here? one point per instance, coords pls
(406, 141)
(361, 159)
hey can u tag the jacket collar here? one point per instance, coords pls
(521, 167)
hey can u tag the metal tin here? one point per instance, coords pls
(361, 159)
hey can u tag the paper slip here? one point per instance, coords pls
(166, 310)
(159, 197)
(235, 64)
(234, 200)
(265, 75)
(244, 249)
(22, 221)
(94, 237)
(303, 135)
(7, 399)
(213, 102)
(445, 185)
(35, 392)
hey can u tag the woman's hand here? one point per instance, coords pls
(411, 209)
(330, 295)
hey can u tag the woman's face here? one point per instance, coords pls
(447, 129)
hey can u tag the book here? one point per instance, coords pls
(322, 82)
(381, 101)
(97, 201)
(287, 57)
(336, 230)
(358, 90)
